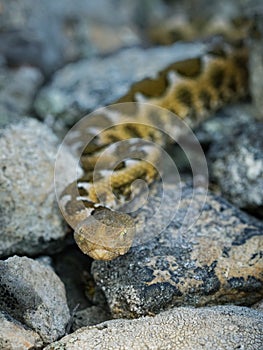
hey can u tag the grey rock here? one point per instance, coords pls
(45, 260)
(258, 306)
(224, 122)
(88, 84)
(14, 335)
(216, 260)
(221, 328)
(17, 91)
(256, 64)
(90, 316)
(31, 222)
(237, 166)
(86, 302)
(34, 295)
(48, 34)
(73, 268)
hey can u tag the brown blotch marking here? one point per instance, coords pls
(92, 147)
(82, 191)
(88, 162)
(216, 77)
(157, 87)
(205, 97)
(218, 51)
(88, 177)
(88, 204)
(190, 68)
(184, 95)
(112, 137)
(133, 130)
(232, 83)
(240, 59)
(147, 87)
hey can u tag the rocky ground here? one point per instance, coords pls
(197, 288)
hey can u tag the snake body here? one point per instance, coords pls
(191, 89)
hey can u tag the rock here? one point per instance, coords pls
(14, 335)
(87, 303)
(73, 267)
(90, 316)
(213, 260)
(258, 306)
(88, 84)
(18, 87)
(48, 34)
(237, 166)
(31, 222)
(220, 327)
(34, 295)
(224, 122)
(256, 64)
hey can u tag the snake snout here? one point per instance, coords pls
(106, 234)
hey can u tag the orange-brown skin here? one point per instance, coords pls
(212, 81)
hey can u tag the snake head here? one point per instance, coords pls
(105, 234)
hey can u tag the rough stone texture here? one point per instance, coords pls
(256, 65)
(48, 34)
(86, 302)
(72, 266)
(224, 123)
(218, 260)
(258, 306)
(17, 90)
(90, 316)
(88, 84)
(31, 222)
(14, 335)
(221, 328)
(237, 166)
(34, 295)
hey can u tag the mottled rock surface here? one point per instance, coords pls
(225, 122)
(237, 166)
(34, 295)
(86, 85)
(17, 91)
(90, 316)
(258, 306)
(14, 335)
(72, 266)
(48, 34)
(256, 64)
(217, 260)
(221, 328)
(31, 222)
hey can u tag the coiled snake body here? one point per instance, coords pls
(191, 89)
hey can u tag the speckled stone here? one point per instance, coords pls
(72, 266)
(224, 122)
(221, 328)
(17, 90)
(218, 260)
(14, 335)
(31, 222)
(256, 64)
(34, 295)
(237, 166)
(258, 306)
(90, 316)
(88, 84)
(48, 34)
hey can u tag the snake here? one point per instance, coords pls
(191, 89)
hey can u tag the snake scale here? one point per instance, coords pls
(191, 89)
